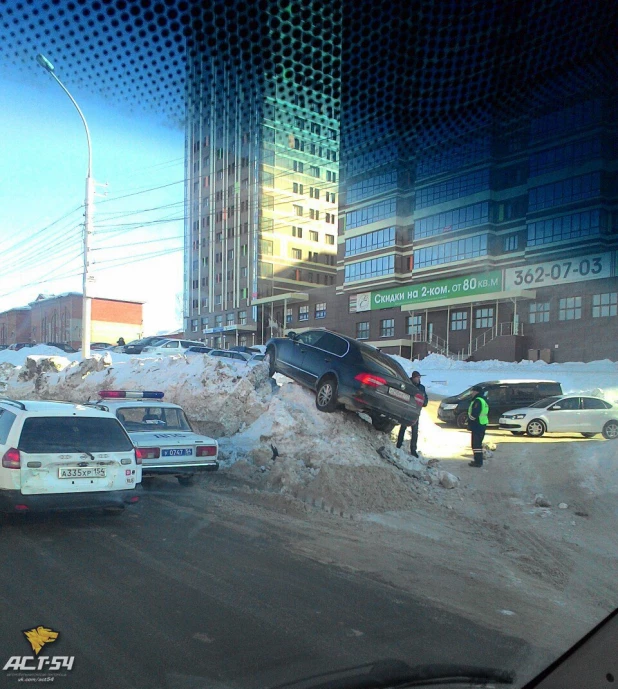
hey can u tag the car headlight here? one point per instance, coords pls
(449, 407)
(514, 416)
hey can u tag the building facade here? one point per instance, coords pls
(263, 171)
(59, 319)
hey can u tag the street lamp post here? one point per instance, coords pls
(88, 213)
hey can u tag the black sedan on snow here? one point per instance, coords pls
(346, 373)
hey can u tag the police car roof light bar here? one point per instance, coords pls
(131, 394)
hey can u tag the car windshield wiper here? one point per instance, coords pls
(84, 452)
(391, 674)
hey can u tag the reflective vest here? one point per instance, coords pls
(483, 416)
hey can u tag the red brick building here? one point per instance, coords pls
(59, 319)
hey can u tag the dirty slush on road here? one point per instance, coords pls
(527, 546)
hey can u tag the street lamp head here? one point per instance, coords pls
(44, 62)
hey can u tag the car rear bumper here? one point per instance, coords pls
(15, 501)
(181, 468)
(367, 401)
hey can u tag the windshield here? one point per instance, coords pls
(45, 434)
(406, 186)
(547, 402)
(141, 419)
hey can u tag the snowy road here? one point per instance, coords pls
(194, 588)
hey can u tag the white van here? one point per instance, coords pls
(166, 347)
(57, 456)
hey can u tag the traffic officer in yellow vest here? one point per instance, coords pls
(478, 413)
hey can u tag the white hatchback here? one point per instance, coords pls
(57, 455)
(162, 434)
(564, 414)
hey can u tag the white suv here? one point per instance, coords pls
(166, 347)
(57, 456)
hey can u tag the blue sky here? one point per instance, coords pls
(43, 160)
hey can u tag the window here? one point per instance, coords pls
(332, 135)
(204, 323)
(243, 272)
(288, 316)
(370, 241)
(331, 176)
(314, 256)
(371, 187)
(371, 268)
(570, 309)
(266, 247)
(387, 327)
(314, 236)
(297, 188)
(298, 210)
(315, 128)
(450, 221)
(414, 325)
(567, 155)
(218, 236)
(229, 319)
(539, 312)
(314, 214)
(268, 201)
(573, 226)
(580, 115)
(265, 270)
(297, 254)
(298, 166)
(484, 318)
(369, 214)
(299, 123)
(459, 320)
(454, 188)
(566, 191)
(244, 293)
(330, 218)
(297, 232)
(242, 318)
(219, 321)
(230, 254)
(458, 250)
(511, 242)
(595, 403)
(299, 144)
(330, 197)
(194, 325)
(314, 171)
(320, 310)
(605, 304)
(330, 238)
(362, 330)
(314, 192)
(303, 313)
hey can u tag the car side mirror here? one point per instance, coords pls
(555, 407)
(292, 335)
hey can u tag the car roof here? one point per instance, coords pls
(124, 403)
(50, 407)
(518, 380)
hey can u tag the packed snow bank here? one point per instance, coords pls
(445, 377)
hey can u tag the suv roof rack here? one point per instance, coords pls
(16, 403)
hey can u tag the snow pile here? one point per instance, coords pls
(443, 376)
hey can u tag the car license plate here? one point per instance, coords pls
(398, 394)
(181, 452)
(81, 472)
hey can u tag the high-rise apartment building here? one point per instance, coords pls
(263, 171)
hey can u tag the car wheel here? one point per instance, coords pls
(186, 480)
(113, 511)
(462, 420)
(536, 428)
(384, 424)
(269, 358)
(326, 395)
(589, 435)
(518, 432)
(610, 430)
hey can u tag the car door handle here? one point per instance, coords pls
(302, 351)
(327, 359)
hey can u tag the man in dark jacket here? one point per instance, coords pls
(416, 379)
(478, 413)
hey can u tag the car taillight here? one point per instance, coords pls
(206, 451)
(11, 459)
(142, 453)
(370, 379)
(420, 400)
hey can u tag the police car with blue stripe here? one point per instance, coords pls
(161, 433)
